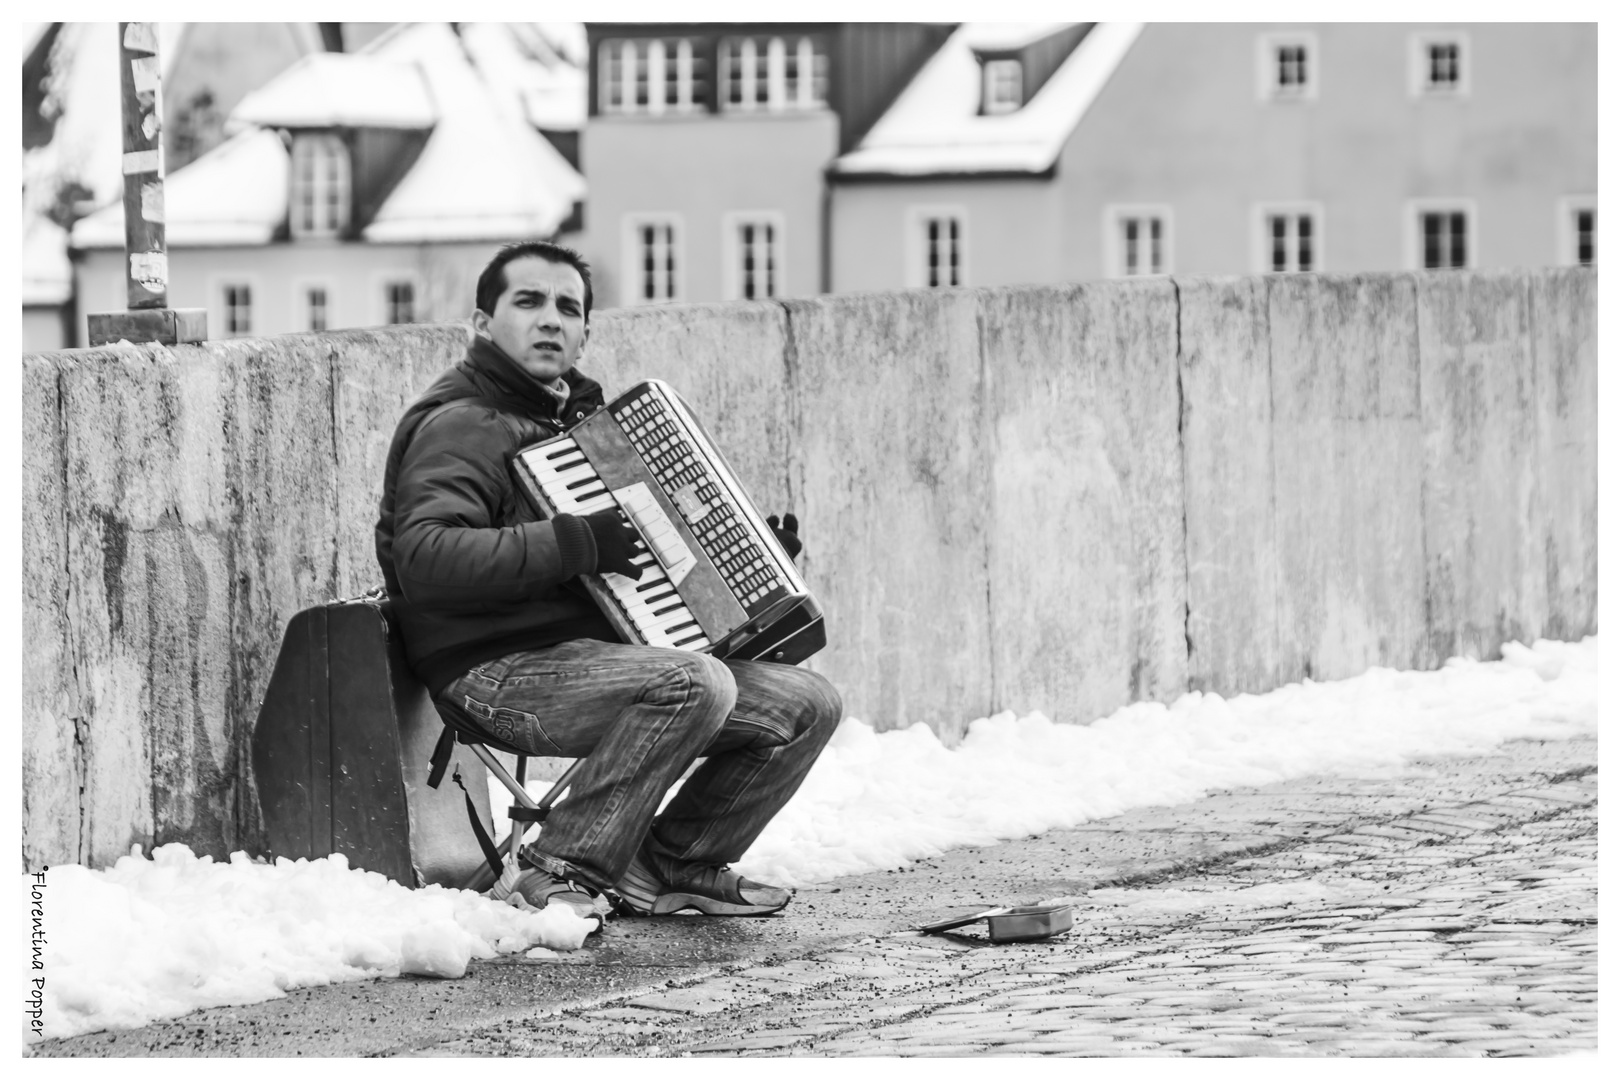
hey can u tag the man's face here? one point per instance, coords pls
(539, 320)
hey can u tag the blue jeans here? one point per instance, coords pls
(639, 716)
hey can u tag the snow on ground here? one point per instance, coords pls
(149, 939)
(156, 938)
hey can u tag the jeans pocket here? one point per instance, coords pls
(513, 726)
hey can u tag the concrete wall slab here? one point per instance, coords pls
(1226, 439)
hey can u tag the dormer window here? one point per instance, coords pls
(651, 77)
(1003, 86)
(320, 185)
(773, 74)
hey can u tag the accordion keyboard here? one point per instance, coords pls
(651, 603)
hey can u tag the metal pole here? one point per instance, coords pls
(139, 82)
(146, 256)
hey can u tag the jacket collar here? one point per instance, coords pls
(496, 375)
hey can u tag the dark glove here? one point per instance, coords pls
(787, 534)
(617, 542)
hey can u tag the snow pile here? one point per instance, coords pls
(877, 801)
(155, 938)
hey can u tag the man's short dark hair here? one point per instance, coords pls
(492, 281)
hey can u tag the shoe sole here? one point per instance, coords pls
(670, 903)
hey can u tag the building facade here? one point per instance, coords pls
(362, 189)
(1234, 149)
(706, 146)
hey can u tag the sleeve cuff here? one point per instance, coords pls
(576, 546)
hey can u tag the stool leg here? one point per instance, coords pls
(520, 827)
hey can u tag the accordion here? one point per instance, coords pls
(714, 578)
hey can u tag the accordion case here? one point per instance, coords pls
(341, 753)
(714, 577)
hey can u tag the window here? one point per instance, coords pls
(1441, 235)
(1003, 86)
(936, 247)
(1137, 240)
(1577, 230)
(238, 302)
(754, 260)
(1287, 67)
(320, 185)
(773, 73)
(315, 307)
(1439, 65)
(399, 302)
(654, 262)
(1290, 239)
(653, 76)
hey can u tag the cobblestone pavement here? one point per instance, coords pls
(1462, 926)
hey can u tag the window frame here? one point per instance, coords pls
(916, 256)
(1113, 244)
(731, 270)
(300, 302)
(994, 106)
(1266, 47)
(1416, 208)
(1260, 244)
(768, 70)
(630, 225)
(218, 282)
(688, 99)
(1568, 239)
(1418, 83)
(344, 184)
(381, 279)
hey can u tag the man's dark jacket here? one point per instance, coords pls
(472, 574)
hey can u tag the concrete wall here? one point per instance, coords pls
(1062, 498)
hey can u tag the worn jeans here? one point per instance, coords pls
(639, 716)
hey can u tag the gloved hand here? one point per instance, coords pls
(617, 542)
(787, 534)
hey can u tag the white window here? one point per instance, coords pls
(936, 247)
(650, 76)
(1288, 238)
(773, 73)
(236, 300)
(320, 185)
(1003, 86)
(399, 301)
(1441, 234)
(1439, 65)
(654, 259)
(753, 246)
(312, 305)
(1137, 240)
(1288, 67)
(1577, 230)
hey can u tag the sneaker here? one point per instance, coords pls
(711, 890)
(529, 889)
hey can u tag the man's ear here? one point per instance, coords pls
(480, 323)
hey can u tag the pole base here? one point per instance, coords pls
(166, 326)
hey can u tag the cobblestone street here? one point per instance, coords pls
(1463, 926)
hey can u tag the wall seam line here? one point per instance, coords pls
(1186, 543)
(80, 748)
(986, 437)
(1427, 658)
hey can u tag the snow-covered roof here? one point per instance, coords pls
(934, 126)
(234, 194)
(527, 60)
(485, 173)
(349, 89)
